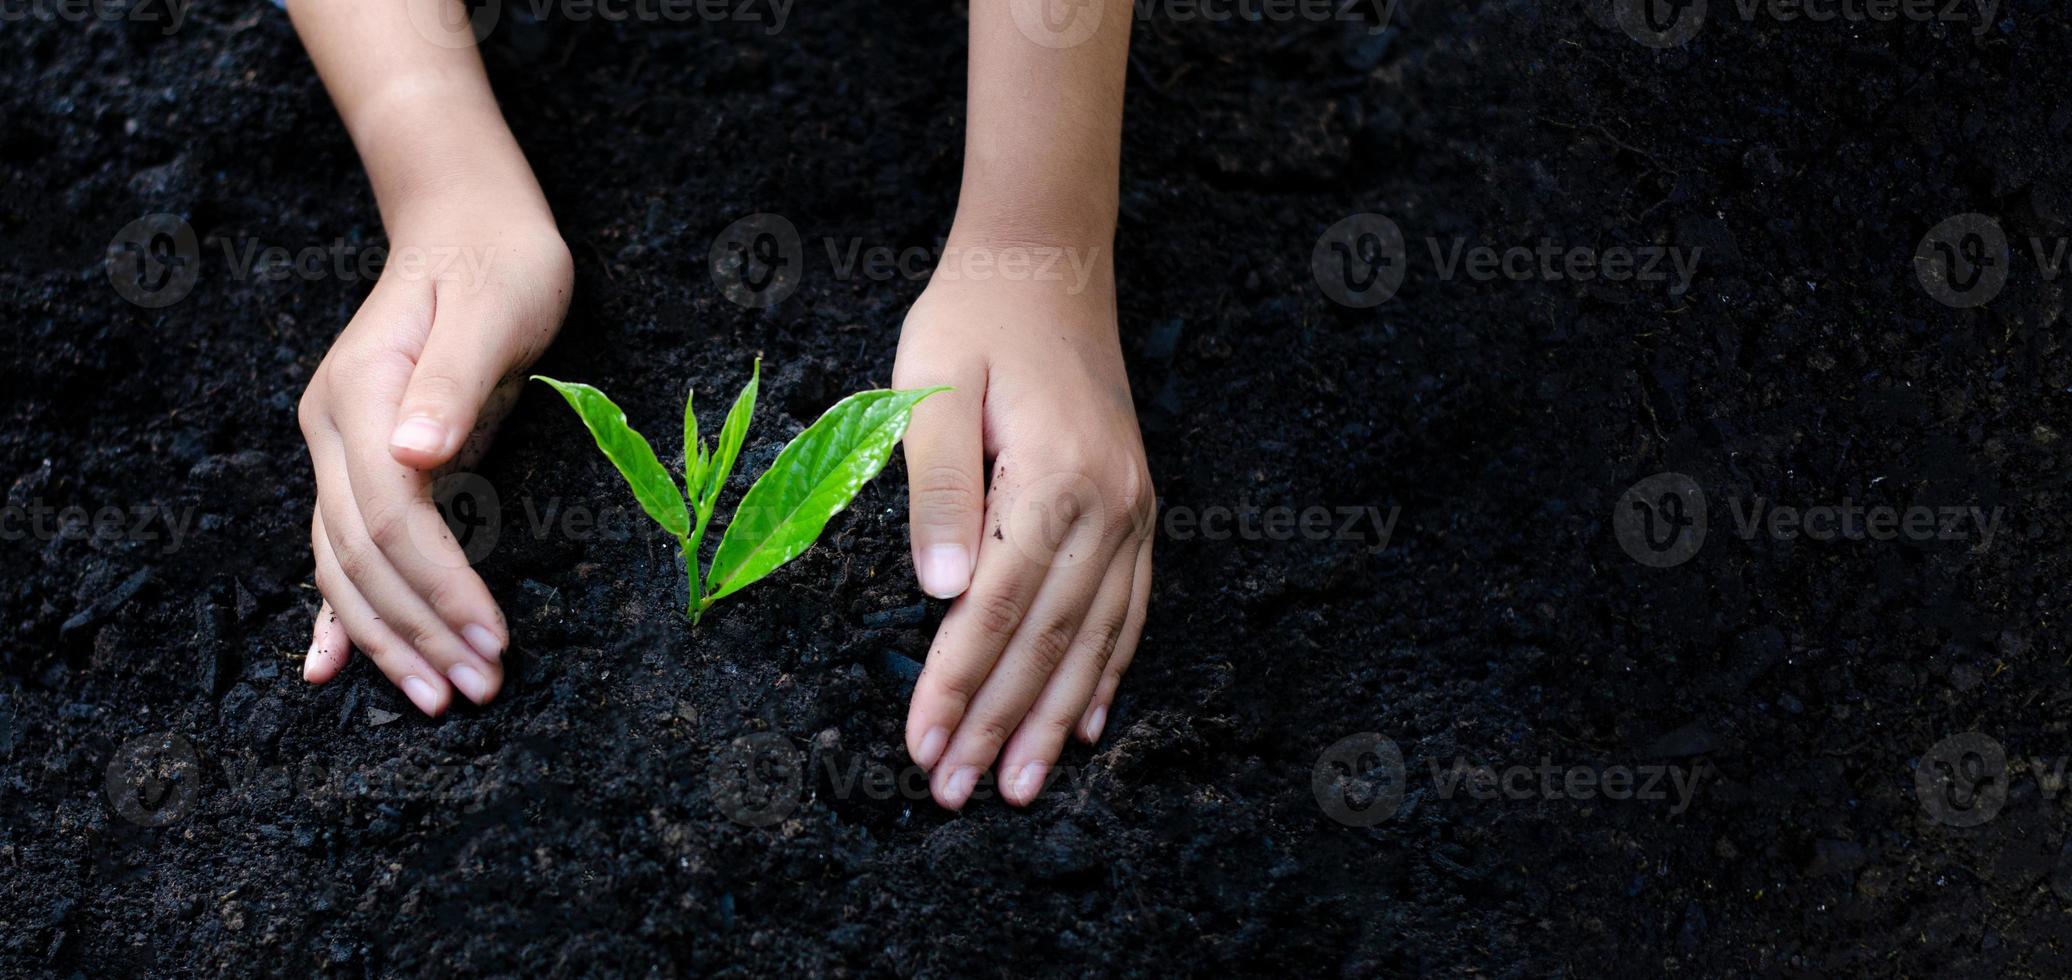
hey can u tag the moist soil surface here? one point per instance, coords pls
(177, 801)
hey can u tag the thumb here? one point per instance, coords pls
(946, 487)
(462, 364)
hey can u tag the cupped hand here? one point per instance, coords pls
(1050, 560)
(413, 387)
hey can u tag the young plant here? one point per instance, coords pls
(786, 508)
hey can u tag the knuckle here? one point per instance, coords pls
(310, 409)
(445, 594)
(355, 559)
(1068, 504)
(1048, 644)
(389, 527)
(1054, 728)
(990, 732)
(1136, 504)
(384, 653)
(1100, 639)
(429, 388)
(955, 687)
(1133, 490)
(942, 493)
(422, 634)
(997, 613)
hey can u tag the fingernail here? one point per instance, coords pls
(421, 694)
(931, 747)
(419, 434)
(958, 789)
(1094, 722)
(471, 683)
(1030, 782)
(309, 662)
(944, 570)
(483, 641)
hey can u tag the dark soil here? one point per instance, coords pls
(581, 825)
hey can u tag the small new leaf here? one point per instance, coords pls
(731, 434)
(813, 479)
(630, 452)
(693, 447)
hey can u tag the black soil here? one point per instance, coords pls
(175, 800)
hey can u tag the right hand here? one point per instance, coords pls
(414, 387)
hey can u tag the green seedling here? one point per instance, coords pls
(784, 511)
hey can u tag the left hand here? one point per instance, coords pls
(1051, 566)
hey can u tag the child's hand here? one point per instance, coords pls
(417, 382)
(1053, 564)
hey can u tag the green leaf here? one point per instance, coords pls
(812, 480)
(693, 447)
(630, 452)
(730, 436)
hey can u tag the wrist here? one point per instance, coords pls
(428, 167)
(1085, 222)
(1037, 263)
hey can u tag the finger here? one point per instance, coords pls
(402, 665)
(945, 456)
(1125, 649)
(329, 647)
(387, 492)
(1025, 762)
(477, 345)
(1033, 654)
(1011, 569)
(396, 507)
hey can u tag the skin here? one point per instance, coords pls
(1030, 499)
(1051, 568)
(431, 362)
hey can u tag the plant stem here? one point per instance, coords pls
(691, 570)
(701, 508)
